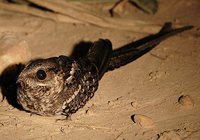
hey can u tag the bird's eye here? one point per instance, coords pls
(41, 74)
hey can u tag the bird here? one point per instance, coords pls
(62, 85)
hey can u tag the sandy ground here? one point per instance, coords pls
(149, 86)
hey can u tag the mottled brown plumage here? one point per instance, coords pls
(66, 87)
(61, 85)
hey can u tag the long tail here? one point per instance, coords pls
(134, 50)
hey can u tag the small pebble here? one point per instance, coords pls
(143, 121)
(12, 50)
(185, 100)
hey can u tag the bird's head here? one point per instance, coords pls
(39, 85)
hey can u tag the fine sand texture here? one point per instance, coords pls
(156, 97)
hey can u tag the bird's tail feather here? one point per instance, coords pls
(134, 50)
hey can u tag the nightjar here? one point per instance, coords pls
(62, 85)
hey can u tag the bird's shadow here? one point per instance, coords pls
(80, 49)
(8, 84)
(9, 76)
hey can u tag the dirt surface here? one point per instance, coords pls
(150, 86)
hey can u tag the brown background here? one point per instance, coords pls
(150, 85)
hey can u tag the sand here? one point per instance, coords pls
(150, 86)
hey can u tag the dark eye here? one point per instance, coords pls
(41, 74)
